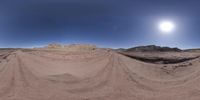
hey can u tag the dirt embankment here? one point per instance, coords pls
(160, 60)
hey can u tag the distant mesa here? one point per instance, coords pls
(152, 48)
(71, 46)
(54, 46)
(121, 50)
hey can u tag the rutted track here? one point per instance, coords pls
(100, 75)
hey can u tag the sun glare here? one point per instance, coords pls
(166, 27)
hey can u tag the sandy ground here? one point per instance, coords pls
(94, 75)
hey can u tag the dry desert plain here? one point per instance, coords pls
(98, 75)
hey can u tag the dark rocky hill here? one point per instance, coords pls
(153, 48)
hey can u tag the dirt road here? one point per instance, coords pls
(96, 75)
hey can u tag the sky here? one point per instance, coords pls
(105, 23)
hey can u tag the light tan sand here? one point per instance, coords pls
(94, 75)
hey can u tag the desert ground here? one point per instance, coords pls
(100, 74)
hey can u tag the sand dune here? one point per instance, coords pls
(94, 75)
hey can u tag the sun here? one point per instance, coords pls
(166, 26)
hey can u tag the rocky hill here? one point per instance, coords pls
(152, 48)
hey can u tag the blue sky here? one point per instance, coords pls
(106, 23)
